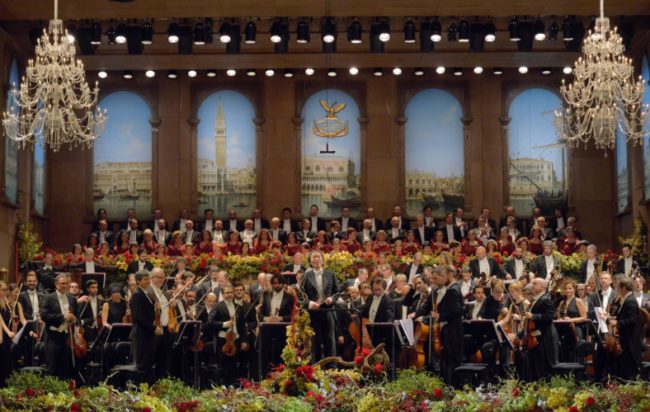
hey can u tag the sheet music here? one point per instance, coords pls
(20, 333)
(407, 326)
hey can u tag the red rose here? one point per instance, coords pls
(515, 392)
(280, 367)
(437, 393)
(590, 401)
(76, 393)
(505, 253)
(75, 407)
(573, 408)
(320, 398)
(146, 409)
(309, 394)
(72, 384)
(379, 368)
(29, 392)
(358, 360)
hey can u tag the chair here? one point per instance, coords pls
(477, 373)
(125, 370)
(576, 369)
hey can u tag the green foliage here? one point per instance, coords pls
(21, 381)
(29, 245)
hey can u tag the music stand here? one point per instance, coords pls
(119, 332)
(566, 329)
(189, 331)
(264, 327)
(100, 278)
(22, 336)
(290, 278)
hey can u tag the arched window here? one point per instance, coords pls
(645, 73)
(537, 160)
(226, 155)
(331, 137)
(11, 151)
(622, 175)
(122, 157)
(434, 152)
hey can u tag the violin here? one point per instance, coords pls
(435, 330)
(612, 340)
(230, 347)
(76, 340)
(529, 340)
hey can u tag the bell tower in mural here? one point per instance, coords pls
(220, 137)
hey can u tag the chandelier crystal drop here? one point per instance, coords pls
(54, 101)
(604, 96)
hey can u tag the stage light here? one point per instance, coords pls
(146, 33)
(354, 70)
(309, 71)
(497, 71)
(127, 74)
(224, 33)
(191, 73)
(397, 71)
(302, 32)
(523, 69)
(276, 32)
(251, 73)
(328, 31)
(384, 30)
(150, 73)
(513, 28)
(436, 31)
(418, 72)
(231, 72)
(354, 32)
(567, 70)
(211, 73)
(463, 31)
(490, 32)
(269, 72)
(250, 32)
(120, 37)
(96, 34)
(567, 29)
(452, 32)
(539, 30)
(478, 70)
(102, 74)
(331, 72)
(458, 71)
(378, 72)
(288, 73)
(546, 71)
(409, 31)
(172, 33)
(553, 30)
(110, 34)
(172, 74)
(440, 69)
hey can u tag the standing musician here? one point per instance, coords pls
(59, 312)
(378, 309)
(164, 340)
(495, 305)
(90, 307)
(142, 334)
(591, 265)
(517, 266)
(190, 304)
(6, 334)
(446, 308)
(541, 358)
(250, 318)
(572, 309)
(46, 275)
(208, 328)
(319, 286)
(512, 324)
(630, 329)
(416, 297)
(600, 303)
(215, 284)
(229, 318)
(276, 306)
(30, 298)
(545, 263)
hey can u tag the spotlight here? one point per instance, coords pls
(567, 70)
(269, 72)
(354, 32)
(328, 31)
(72, 34)
(378, 72)
(249, 33)
(110, 33)
(490, 32)
(211, 73)
(331, 72)
(436, 31)
(354, 70)
(276, 32)
(497, 71)
(150, 74)
(172, 74)
(409, 31)
(224, 33)
(231, 72)
(102, 74)
(191, 73)
(418, 72)
(147, 33)
(458, 71)
(309, 71)
(539, 30)
(127, 74)
(440, 69)
(478, 70)
(546, 71)
(199, 34)
(172, 33)
(384, 30)
(288, 73)
(96, 34)
(567, 29)
(302, 32)
(251, 73)
(463, 31)
(523, 69)
(513, 28)
(120, 37)
(397, 71)
(452, 32)
(553, 30)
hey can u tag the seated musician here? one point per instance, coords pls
(476, 309)
(495, 305)
(627, 324)
(466, 283)
(365, 290)
(542, 357)
(378, 309)
(416, 297)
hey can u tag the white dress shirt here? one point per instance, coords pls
(286, 225)
(550, 265)
(590, 268)
(476, 309)
(275, 234)
(189, 236)
(257, 225)
(628, 265)
(450, 232)
(344, 223)
(318, 275)
(374, 307)
(164, 306)
(208, 225)
(314, 223)
(413, 273)
(484, 266)
(133, 236)
(276, 302)
(519, 267)
(90, 267)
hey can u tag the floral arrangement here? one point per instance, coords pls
(29, 245)
(638, 240)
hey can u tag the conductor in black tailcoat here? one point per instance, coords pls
(142, 333)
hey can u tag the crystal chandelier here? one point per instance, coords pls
(604, 96)
(54, 101)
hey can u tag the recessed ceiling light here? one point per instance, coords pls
(251, 73)
(211, 73)
(440, 69)
(378, 72)
(331, 72)
(231, 72)
(418, 72)
(269, 72)
(128, 74)
(309, 71)
(497, 71)
(172, 74)
(191, 73)
(546, 71)
(150, 73)
(397, 71)
(478, 70)
(523, 69)
(458, 72)
(288, 73)
(354, 70)
(102, 74)
(567, 70)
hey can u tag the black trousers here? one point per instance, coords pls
(163, 346)
(142, 344)
(58, 356)
(325, 335)
(227, 364)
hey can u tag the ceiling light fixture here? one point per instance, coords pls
(354, 32)
(302, 32)
(328, 30)
(150, 73)
(309, 71)
(173, 33)
(440, 69)
(409, 31)
(490, 32)
(436, 31)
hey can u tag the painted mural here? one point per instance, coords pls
(11, 151)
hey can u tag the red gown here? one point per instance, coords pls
(172, 251)
(536, 248)
(233, 248)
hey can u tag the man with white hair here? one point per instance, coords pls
(588, 267)
(541, 359)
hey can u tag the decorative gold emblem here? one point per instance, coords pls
(331, 126)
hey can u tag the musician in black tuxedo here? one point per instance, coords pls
(142, 333)
(296, 265)
(626, 264)
(277, 306)
(317, 223)
(379, 308)
(218, 279)
(306, 234)
(276, 231)
(287, 224)
(232, 223)
(345, 220)
(630, 329)
(130, 214)
(422, 232)
(46, 275)
(642, 298)
(207, 223)
(135, 235)
(319, 286)
(366, 232)
(494, 304)
(140, 264)
(30, 298)
(90, 307)
(517, 266)
(414, 268)
(416, 296)
(229, 317)
(484, 264)
(249, 314)
(402, 222)
(541, 359)
(449, 314)
(59, 311)
(545, 263)
(592, 264)
(184, 216)
(449, 229)
(103, 234)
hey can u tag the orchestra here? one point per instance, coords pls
(177, 323)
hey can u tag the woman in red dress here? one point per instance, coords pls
(322, 242)
(262, 242)
(205, 245)
(234, 246)
(292, 245)
(245, 250)
(367, 252)
(337, 246)
(351, 244)
(568, 245)
(471, 243)
(411, 244)
(148, 243)
(93, 243)
(381, 243)
(160, 251)
(535, 243)
(176, 247)
(122, 244)
(438, 243)
(104, 251)
(505, 242)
